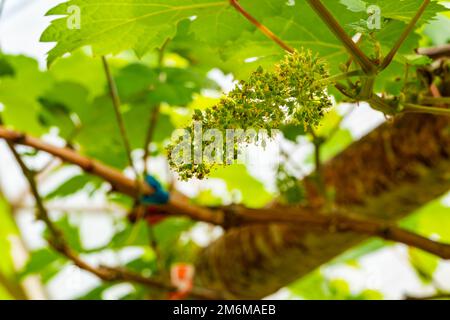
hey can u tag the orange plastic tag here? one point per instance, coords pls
(182, 277)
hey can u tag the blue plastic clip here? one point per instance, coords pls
(160, 196)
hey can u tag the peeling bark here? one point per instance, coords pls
(388, 174)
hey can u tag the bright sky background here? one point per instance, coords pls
(23, 21)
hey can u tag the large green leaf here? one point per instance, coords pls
(237, 179)
(114, 26)
(317, 287)
(138, 24)
(8, 230)
(20, 91)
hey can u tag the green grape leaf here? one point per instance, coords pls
(73, 185)
(138, 83)
(145, 25)
(19, 94)
(368, 247)
(168, 231)
(341, 140)
(292, 132)
(79, 68)
(71, 233)
(355, 5)
(140, 25)
(6, 69)
(39, 260)
(131, 235)
(332, 147)
(8, 230)
(237, 178)
(433, 30)
(207, 198)
(96, 293)
(404, 10)
(425, 264)
(431, 220)
(316, 286)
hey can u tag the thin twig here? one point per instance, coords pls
(300, 216)
(435, 53)
(42, 213)
(435, 100)
(117, 105)
(178, 204)
(261, 27)
(318, 142)
(341, 76)
(150, 134)
(58, 243)
(117, 179)
(340, 222)
(438, 296)
(13, 289)
(388, 59)
(334, 26)
(76, 209)
(154, 115)
(414, 108)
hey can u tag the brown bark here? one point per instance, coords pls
(394, 170)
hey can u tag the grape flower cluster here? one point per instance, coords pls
(293, 93)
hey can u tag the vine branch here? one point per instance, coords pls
(238, 217)
(414, 108)
(438, 296)
(178, 204)
(59, 244)
(342, 222)
(261, 27)
(388, 59)
(318, 142)
(118, 181)
(435, 100)
(334, 26)
(117, 104)
(154, 115)
(436, 53)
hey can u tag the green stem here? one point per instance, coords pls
(59, 243)
(13, 289)
(342, 76)
(41, 210)
(387, 61)
(334, 26)
(116, 104)
(435, 101)
(414, 108)
(366, 89)
(318, 142)
(380, 104)
(154, 116)
(266, 31)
